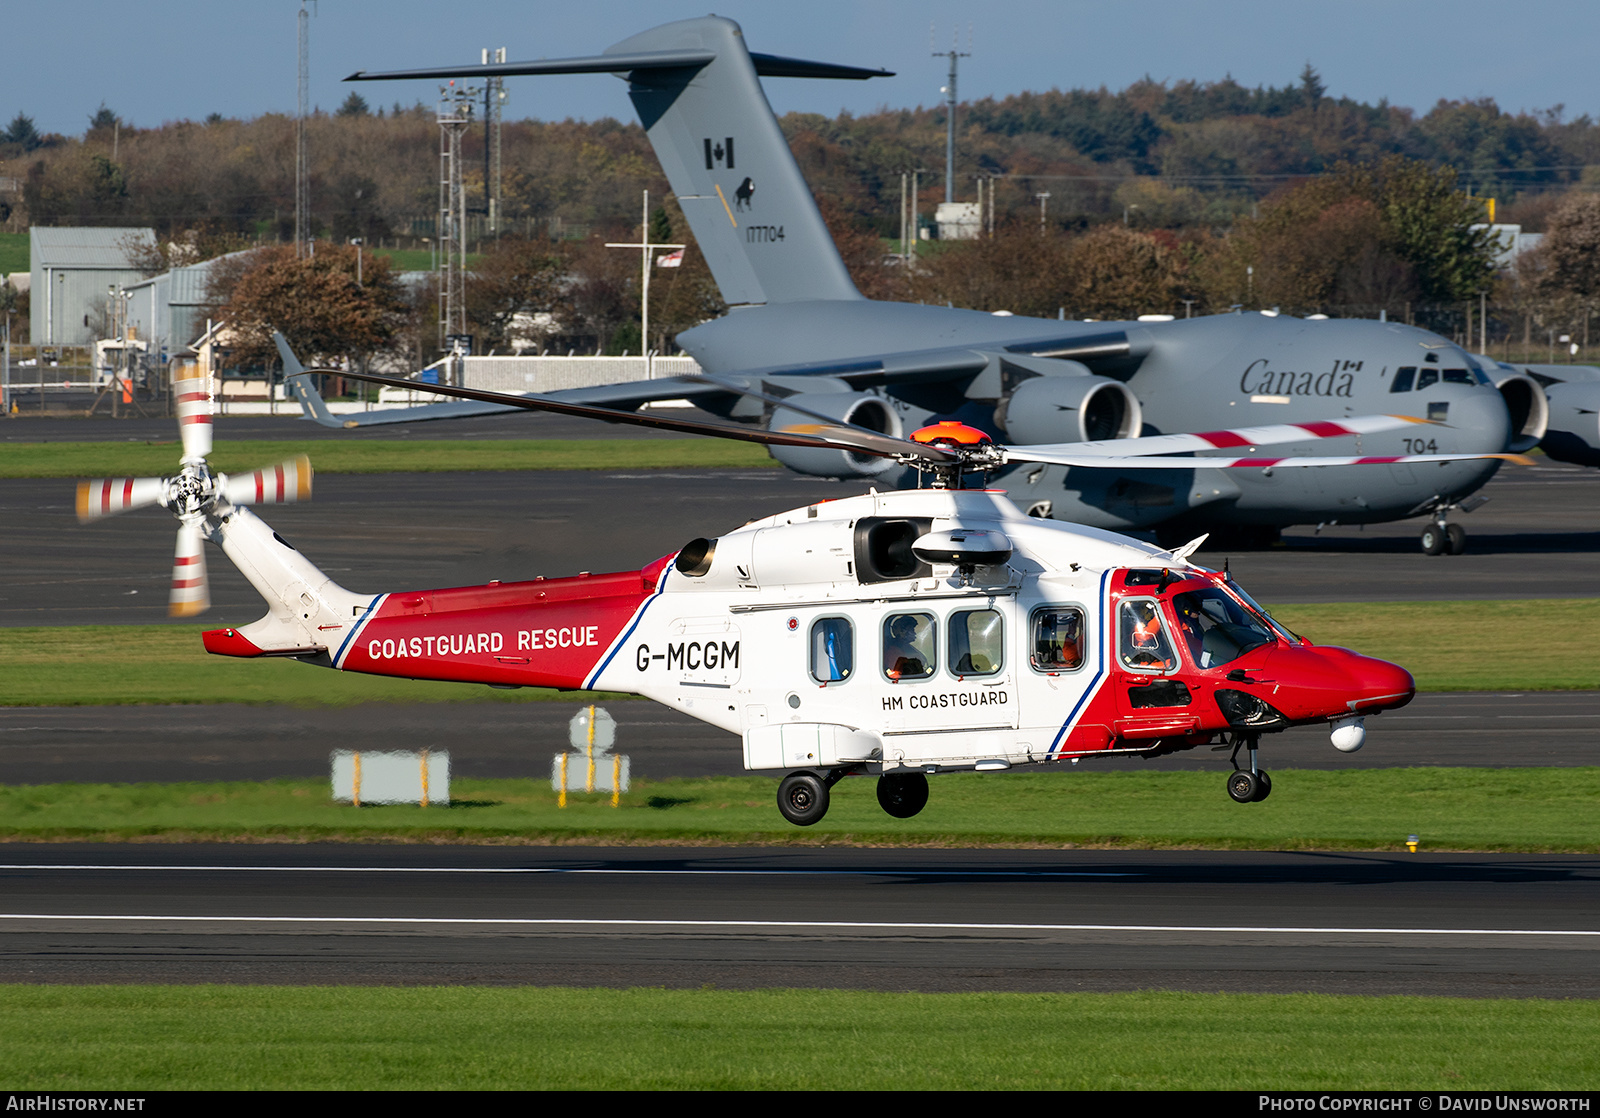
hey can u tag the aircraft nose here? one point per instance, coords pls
(1375, 684)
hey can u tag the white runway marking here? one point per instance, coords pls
(588, 870)
(839, 925)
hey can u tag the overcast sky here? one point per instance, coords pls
(164, 60)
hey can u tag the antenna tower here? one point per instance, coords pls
(455, 117)
(494, 98)
(950, 113)
(302, 163)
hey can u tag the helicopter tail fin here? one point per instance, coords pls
(299, 382)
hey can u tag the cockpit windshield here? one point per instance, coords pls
(1239, 591)
(1216, 628)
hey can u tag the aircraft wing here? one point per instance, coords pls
(623, 397)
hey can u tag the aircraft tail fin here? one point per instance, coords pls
(713, 129)
(299, 382)
(698, 93)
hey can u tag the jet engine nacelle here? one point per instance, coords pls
(1070, 409)
(861, 408)
(1528, 410)
(1574, 425)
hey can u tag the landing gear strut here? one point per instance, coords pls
(1252, 785)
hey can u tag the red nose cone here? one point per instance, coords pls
(1380, 684)
(1319, 682)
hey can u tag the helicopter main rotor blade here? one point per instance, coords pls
(108, 496)
(868, 437)
(1257, 462)
(1236, 437)
(835, 438)
(282, 484)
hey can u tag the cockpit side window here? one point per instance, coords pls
(1216, 628)
(1457, 376)
(1404, 378)
(1142, 643)
(1428, 377)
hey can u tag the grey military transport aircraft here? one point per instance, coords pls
(800, 342)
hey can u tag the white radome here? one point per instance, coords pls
(1349, 734)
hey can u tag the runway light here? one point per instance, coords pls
(1411, 843)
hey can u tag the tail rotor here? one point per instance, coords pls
(194, 494)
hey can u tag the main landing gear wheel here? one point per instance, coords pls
(802, 798)
(902, 795)
(1244, 786)
(1444, 539)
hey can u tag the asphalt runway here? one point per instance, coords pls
(46, 745)
(1490, 925)
(1537, 537)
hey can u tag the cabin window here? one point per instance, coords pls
(977, 642)
(1057, 639)
(1216, 628)
(908, 646)
(1142, 639)
(833, 655)
(1404, 378)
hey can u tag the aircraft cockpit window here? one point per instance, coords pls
(1457, 376)
(1260, 611)
(833, 655)
(1057, 639)
(1143, 643)
(1216, 628)
(1404, 378)
(977, 644)
(1428, 377)
(908, 646)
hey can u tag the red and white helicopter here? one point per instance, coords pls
(897, 634)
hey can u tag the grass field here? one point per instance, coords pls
(1440, 642)
(378, 456)
(1521, 810)
(14, 253)
(139, 1038)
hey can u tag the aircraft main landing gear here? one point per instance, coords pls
(1444, 539)
(1252, 785)
(803, 796)
(902, 795)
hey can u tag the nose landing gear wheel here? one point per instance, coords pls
(1244, 786)
(1456, 537)
(902, 795)
(802, 799)
(1435, 540)
(1263, 786)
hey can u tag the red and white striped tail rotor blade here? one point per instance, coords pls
(110, 495)
(273, 485)
(192, 401)
(190, 592)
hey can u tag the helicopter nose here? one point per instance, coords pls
(1374, 684)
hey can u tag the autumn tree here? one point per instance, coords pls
(516, 277)
(1115, 272)
(314, 300)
